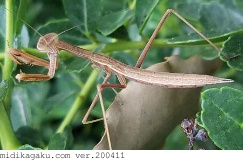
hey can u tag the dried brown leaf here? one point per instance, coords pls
(142, 116)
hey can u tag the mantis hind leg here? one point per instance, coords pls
(162, 20)
(100, 88)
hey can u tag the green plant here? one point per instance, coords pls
(52, 111)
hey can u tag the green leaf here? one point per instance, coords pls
(233, 49)
(195, 39)
(114, 15)
(143, 11)
(111, 6)
(72, 36)
(111, 22)
(192, 13)
(176, 137)
(20, 108)
(85, 12)
(214, 15)
(75, 64)
(107, 17)
(28, 147)
(27, 135)
(37, 92)
(61, 141)
(22, 7)
(68, 133)
(198, 119)
(124, 58)
(238, 3)
(222, 116)
(219, 22)
(59, 102)
(3, 89)
(58, 142)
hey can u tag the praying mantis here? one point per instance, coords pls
(51, 45)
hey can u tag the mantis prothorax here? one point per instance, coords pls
(52, 45)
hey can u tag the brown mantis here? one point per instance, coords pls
(52, 45)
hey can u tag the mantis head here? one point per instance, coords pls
(47, 43)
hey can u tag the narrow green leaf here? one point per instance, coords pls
(221, 115)
(3, 89)
(58, 142)
(143, 11)
(233, 49)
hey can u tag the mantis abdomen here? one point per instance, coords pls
(173, 80)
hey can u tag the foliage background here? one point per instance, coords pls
(49, 113)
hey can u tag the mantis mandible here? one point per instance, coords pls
(51, 45)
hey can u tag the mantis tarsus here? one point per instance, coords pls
(51, 45)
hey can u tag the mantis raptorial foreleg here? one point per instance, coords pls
(22, 58)
(52, 45)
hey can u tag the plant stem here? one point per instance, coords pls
(7, 69)
(7, 137)
(79, 101)
(8, 64)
